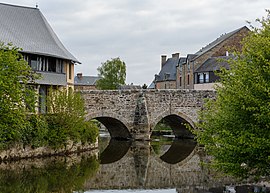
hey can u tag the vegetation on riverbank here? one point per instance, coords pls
(236, 125)
(19, 123)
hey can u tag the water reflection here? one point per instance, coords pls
(114, 151)
(123, 166)
(174, 150)
(157, 165)
(61, 174)
(178, 150)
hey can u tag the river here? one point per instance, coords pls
(162, 165)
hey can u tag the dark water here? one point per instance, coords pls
(162, 165)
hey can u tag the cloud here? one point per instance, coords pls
(140, 31)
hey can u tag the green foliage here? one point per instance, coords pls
(236, 126)
(112, 73)
(162, 126)
(19, 124)
(54, 177)
(16, 99)
(35, 133)
(66, 119)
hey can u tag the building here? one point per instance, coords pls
(182, 72)
(205, 76)
(166, 79)
(219, 47)
(85, 82)
(27, 28)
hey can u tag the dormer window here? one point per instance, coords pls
(166, 76)
(181, 67)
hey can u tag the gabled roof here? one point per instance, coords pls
(182, 60)
(214, 63)
(28, 29)
(152, 85)
(168, 70)
(222, 38)
(86, 80)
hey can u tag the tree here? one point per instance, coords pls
(112, 73)
(144, 86)
(235, 127)
(16, 98)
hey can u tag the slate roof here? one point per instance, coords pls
(214, 63)
(86, 80)
(182, 60)
(28, 29)
(217, 41)
(152, 85)
(168, 70)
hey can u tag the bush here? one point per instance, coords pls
(35, 133)
(66, 119)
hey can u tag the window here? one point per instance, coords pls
(33, 62)
(166, 76)
(203, 77)
(188, 79)
(200, 78)
(45, 64)
(180, 81)
(206, 77)
(188, 65)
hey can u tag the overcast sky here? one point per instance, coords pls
(140, 31)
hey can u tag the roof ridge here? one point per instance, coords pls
(217, 41)
(19, 6)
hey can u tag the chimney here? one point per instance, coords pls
(79, 75)
(175, 55)
(163, 60)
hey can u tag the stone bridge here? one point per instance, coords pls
(135, 113)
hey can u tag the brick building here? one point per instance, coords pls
(182, 72)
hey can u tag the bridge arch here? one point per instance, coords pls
(177, 121)
(116, 128)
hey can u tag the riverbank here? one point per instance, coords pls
(19, 151)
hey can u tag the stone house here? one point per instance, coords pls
(182, 72)
(27, 28)
(85, 82)
(220, 47)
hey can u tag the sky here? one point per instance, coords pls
(140, 31)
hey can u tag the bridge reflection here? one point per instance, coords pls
(115, 151)
(179, 150)
(135, 164)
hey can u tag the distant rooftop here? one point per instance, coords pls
(85, 80)
(27, 28)
(222, 38)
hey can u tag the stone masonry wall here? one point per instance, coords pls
(141, 110)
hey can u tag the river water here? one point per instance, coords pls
(162, 165)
